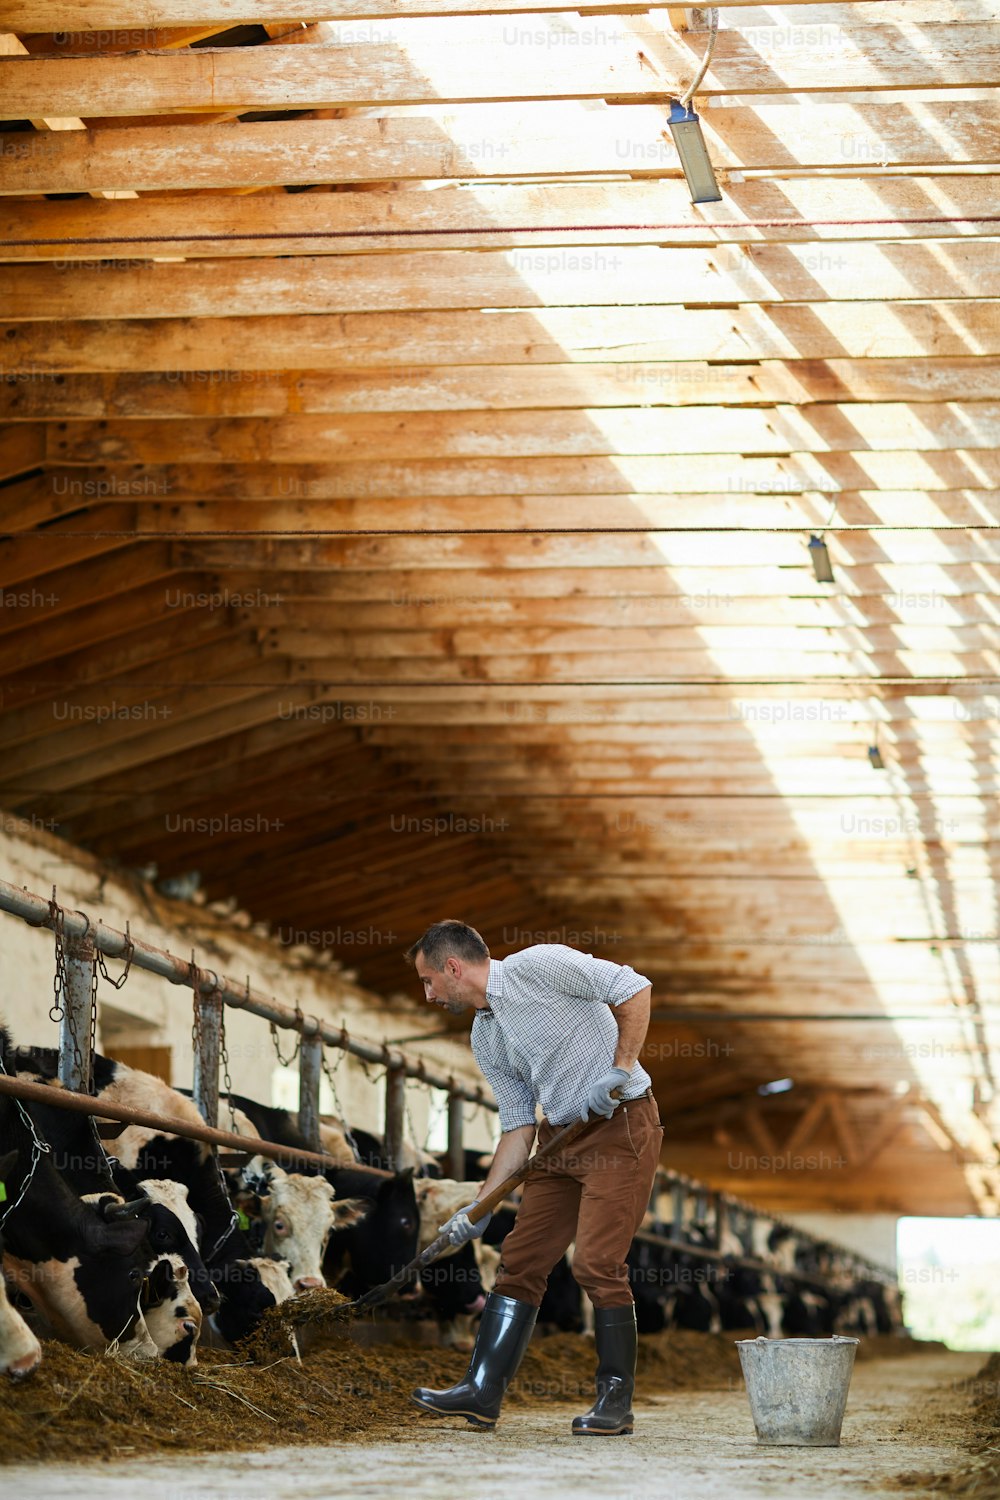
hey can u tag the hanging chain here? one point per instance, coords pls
(127, 955)
(196, 1031)
(422, 1168)
(58, 917)
(39, 1147)
(286, 1062)
(339, 1108)
(227, 1082)
(93, 1026)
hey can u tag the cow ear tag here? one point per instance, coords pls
(3, 1192)
(241, 1218)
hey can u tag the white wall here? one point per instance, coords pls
(149, 1011)
(870, 1235)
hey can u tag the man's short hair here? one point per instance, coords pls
(448, 939)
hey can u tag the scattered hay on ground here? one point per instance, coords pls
(979, 1475)
(79, 1406)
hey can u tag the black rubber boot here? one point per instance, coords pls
(617, 1347)
(504, 1330)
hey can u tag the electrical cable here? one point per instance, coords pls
(713, 30)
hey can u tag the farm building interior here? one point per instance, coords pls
(416, 506)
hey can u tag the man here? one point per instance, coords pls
(561, 1029)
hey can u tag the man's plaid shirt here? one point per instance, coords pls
(549, 1034)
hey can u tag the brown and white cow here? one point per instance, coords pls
(299, 1214)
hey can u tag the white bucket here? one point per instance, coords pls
(798, 1388)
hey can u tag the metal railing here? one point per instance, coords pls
(83, 939)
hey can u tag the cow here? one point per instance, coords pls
(80, 1263)
(373, 1153)
(174, 1231)
(171, 1310)
(298, 1214)
(370, 1251)
(20, 1351)
(144, 1153)
(173, 1226)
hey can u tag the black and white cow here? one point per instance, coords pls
(171, 1310)
(145, 1154)
(80, 1263)
(20, 1351)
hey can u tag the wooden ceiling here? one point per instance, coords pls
(406, 497)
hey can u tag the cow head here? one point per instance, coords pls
(250, 1285)
(171, 1311)
(174, 1230)
(299, 1214)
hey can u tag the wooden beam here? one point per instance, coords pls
(284, 629)
(807, 429)
(53, 635)
(597, 474)
(65, 543)
(21, 449)
(472, 58)
(456, 218)
(590, 335)
(188, 514)
(548, 277)
(550, 139)
(63, 587)
(442, 600)
(500, 387)
(67, 16)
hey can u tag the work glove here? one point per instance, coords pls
(459, 1227)
(599, 1100)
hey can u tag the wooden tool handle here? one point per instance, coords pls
(483, 1207)
(568, 1133)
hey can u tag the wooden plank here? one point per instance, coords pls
(828, 473)
(61, 586)
(778, 646)
(473, 58)
(590, 432)
(68, 16)
(59, 633)
(662, 666)
(32, 555)
(21, 449)
(454, 218)
(278, 393)
(210, 715)
(379, 578)
(487, 141)
(302, 597)
(543, 336)
(287, 632)
(550, 277)
(191, 514)
(71, 722)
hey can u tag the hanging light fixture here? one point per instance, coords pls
(685, 127)
(819, 556)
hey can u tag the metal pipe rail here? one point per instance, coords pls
(76, 925)
(103, 1109)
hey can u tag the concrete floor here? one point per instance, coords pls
(903, 1414)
